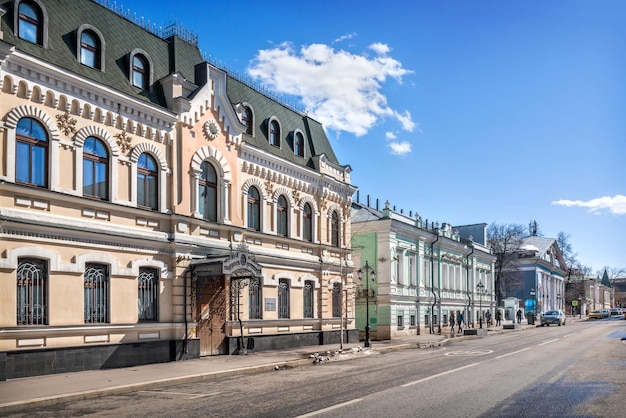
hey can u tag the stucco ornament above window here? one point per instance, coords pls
(123, 141)
(66, 124)
(211, 129)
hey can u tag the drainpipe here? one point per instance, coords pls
(186, 339)
(469, 295)
(432, 284)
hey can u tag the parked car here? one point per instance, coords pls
(616, 311)
(605, 313)
(556, 317)
(595, 315)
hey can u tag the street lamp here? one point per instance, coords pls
(481, 288)
(533, 295)
(580, 307)
(369, 271)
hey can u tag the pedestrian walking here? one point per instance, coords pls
(452, 322)
(498, 317)
(519, 316)
(488, 317)
(459, 321)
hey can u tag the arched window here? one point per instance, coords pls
(274, 133)
(96, 296)
(95, 169)
(298, 144)
(254, 209)
(31, 159)
(90, 49)
(147, 182)
(148, 295)
(307, 223)
(30, 23)
(282, 220)
(308, 294)
(334, 229)
(283, 299)
(208, 192)
(246, 119)
(140, 71)
(32, 292)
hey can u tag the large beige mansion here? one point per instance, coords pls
(154, 207)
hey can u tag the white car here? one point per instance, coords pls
(556, 317)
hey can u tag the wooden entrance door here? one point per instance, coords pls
(211, 316)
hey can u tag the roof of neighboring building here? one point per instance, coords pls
(315, 140)
(538, 244)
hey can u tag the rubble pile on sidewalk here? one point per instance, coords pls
(337, 355)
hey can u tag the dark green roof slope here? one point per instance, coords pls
(316, 142)
(121, 36)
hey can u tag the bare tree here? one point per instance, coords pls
(504, 241)
(563, 241)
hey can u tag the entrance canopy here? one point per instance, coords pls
(239, 263)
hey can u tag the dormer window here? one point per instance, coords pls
(140, 68)
(247, 119)
(298, 144)
(89, 47)
(30, 23)
(274, 133)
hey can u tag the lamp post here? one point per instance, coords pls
(533, 296)
(480, 287)
(580, 307)
(369, 271)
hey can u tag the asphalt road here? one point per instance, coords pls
(575, 370)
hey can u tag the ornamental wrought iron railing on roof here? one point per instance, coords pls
(163, 32)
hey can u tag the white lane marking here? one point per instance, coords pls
(330, 408)
(548, 342)
(438, 375)
(569, 335)
(204, 395)
(514, 352)
(189, 395)
(469, 353)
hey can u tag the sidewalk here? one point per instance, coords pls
(17, 394)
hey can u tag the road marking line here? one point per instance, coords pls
(330, 408)
(438, 375)
(190, 395)
(548, 342)
(569, 335)
(204, 395)
(514, 352)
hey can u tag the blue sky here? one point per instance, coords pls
(463, 111)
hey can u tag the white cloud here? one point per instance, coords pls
(400, 148)
(615, 205)
(344, 37)
(390, 135)
(379, 48)
(340, 89)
